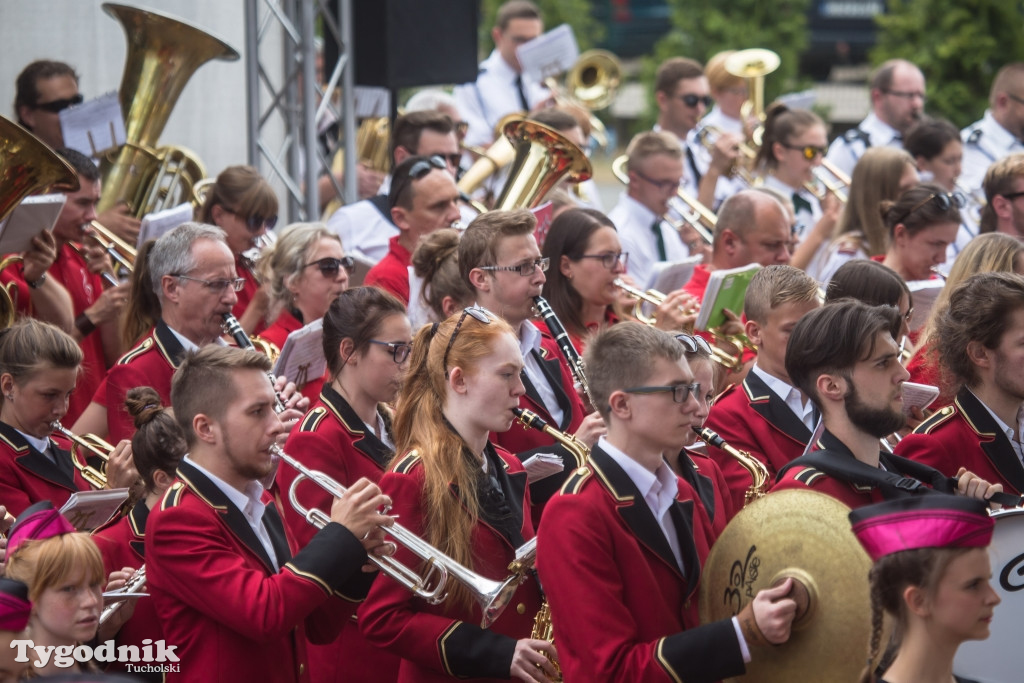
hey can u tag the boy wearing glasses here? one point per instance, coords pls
(979, 343)
(623, 531)
(423, 198)
(655, 168)
(844, 358)
(192, 272)
(500, 260)
(766, 415)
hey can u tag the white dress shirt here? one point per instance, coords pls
(805, 220)
(848, 148)
(790, 395)
(493, 95)
(364, 230)
(529, 340)
(985, 142)
(634, 223)
(250, 505)
(722, 121)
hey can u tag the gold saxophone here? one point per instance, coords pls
(759, 475)
(543, 630)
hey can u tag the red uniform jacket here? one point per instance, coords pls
(332, 439)
(924, 370)
(752, 418)
(244, 268)
(277, 334)
(232, 616)
(621, 607)
(150, 363)
(27, 476)
(438, 642)
(965, 435)
(798, 475)
(524, 441)
(704, 475)
(392, 273)
(123, 544)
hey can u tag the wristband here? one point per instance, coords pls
(84, 325)
(36, 284)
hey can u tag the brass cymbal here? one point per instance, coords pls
(805, 535)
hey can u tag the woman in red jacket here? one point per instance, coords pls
(462, 495)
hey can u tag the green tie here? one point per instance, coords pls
(660, 239)
(800, 203)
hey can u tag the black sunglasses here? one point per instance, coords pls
(254, 223)
(416, 172)
(944, 200)
(57, 106)
(329, 266)
(809, 151)
(694, 344)
(479, 314)
(691, 100)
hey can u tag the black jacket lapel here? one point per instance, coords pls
(768, 405)
(993, 440)
(231, 515)
(632, 507)
(366, 441)
(701, 484)
(552, 369)
(35, 462)
(137, 522)
(682, 516)
(169, 345)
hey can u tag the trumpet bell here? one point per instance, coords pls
(752, 63)
(28, 165)
(594, 79)
(543, 158)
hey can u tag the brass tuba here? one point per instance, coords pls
(27, 166)
(543, 157)
(163, 53)
(753, 64)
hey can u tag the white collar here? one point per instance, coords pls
(637, 211)
(247, 501)
(529, 338)
(880, 132)
(994, 131)
(188, 344)
(643, 478)
(39, 444)
(496, 65)
(1009, 431)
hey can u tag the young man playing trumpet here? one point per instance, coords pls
(620, 557)
(844, 358)
(765, 415)
(231, 597)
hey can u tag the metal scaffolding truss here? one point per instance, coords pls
(285, 101)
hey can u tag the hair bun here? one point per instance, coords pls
(143, 405)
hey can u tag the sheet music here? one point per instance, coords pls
(542, 465)
(155, 225)
(95, 126)
(371, 102)
(87, 510)
(668, 276)
(28, 219)
(302, 358)
(550, 54)
(924, 292)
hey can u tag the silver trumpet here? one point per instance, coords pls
(133, 587)
(429, 583)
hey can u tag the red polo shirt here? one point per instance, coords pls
(392, 272)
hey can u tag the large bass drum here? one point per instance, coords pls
(1000, 658)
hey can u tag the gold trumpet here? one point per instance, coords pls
(650, 296)
(429, 585)
(491, 160)
(543, 156)
(83, 447)
(727, 360)
(708, 136)
(823, 186)
(122, 253)
(591, 83)
(693, 212)
(760, 477)
(753, 65)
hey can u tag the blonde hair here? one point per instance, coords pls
(49, 562)
(284, 262)
(718, 77)
(420, 426)
(876, 178)
(650, 143)
(776, 285)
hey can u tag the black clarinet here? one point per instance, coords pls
(572, 356)
(234, 328)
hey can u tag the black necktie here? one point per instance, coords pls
(799, 203)
(659, 239)
(522, 93)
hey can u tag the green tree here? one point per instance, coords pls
(702, 28)
(958, 44)
(576, 13)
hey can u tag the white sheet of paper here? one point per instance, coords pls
(668, 276)
(87, 510)
(542, 465)
(302, 358)
(549, 54)
(28, 219)
(94, 126)
(155, 225)
(918, 396)
(371, 101)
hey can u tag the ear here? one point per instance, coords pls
(977, 353)
(206, 430)
(777, 150)
(346, 348)
(171, 288)
(1002, 207)
(899, 233)
(218, 214)
(831, 387)
(619, 404)
(27, 114)
(753, 330)
(400, 216)
(449, 306)
(496, 34)
(401, 154)
(916, 601)
(662, 99)
(162, 480)
(457, 380)
(6, 383)
(291, 282)
(565, 266)
(729, 241)
(480, 280)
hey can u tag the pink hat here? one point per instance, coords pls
(15, 607)
(37, 522)
(925, 521)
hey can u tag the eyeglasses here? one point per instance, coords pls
(809, 151)
(479, 314)
(219, 286)
(1011, 195)
(691, 100)
(329, 266)
(694, 344)
(662, 185)
(909, 314)
(57, 106)
(399, 350)
(254, 223)
(611, 259)
(680, 392)
(944, 200)
(525, 269)
(906, 95)
(455, 158)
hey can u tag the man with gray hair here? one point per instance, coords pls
(192, 272)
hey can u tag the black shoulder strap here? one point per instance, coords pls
(380, 202)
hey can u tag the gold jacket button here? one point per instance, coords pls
(521, 608)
